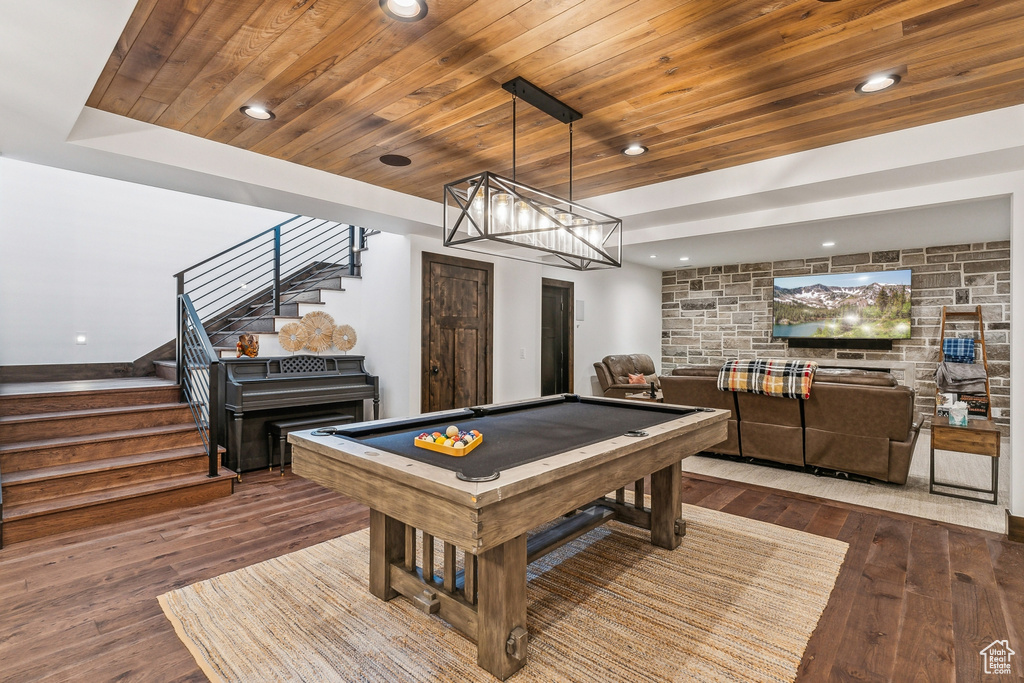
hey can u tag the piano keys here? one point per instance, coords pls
(261, 390)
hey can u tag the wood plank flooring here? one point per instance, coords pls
(915, 600)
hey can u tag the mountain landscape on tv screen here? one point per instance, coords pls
(870, 311)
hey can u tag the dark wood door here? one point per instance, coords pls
(457, 332)
(556, 338)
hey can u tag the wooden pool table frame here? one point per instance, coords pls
(489, 521)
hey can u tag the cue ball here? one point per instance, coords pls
(452, 431)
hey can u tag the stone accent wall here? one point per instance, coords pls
(719, 313)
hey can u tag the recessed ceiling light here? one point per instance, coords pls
(684, 258)
(828, 244)
(878, 83)
(635, 150)
(654, 256)
(395, 160)
(258, 113)
(404, 10)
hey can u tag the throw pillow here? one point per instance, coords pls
(637, 379)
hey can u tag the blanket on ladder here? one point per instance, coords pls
(782, 378)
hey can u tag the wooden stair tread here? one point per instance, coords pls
(90, 466)
(15, 512)
(146, 387)
(89, 412)
(95, 438)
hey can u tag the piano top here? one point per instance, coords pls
(260, 383)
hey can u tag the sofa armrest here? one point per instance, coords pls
(901, 453)
(603, 376)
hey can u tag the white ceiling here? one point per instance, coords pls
(915, 187)
(983, 220)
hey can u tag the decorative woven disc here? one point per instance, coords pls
(344, 337)
(292, 337)
(320, 327)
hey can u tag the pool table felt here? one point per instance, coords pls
(521, 436)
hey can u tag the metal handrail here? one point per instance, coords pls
(240, 244)
(236, 310)
(297, 244)
(198, 371)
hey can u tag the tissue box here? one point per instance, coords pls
(958, 414)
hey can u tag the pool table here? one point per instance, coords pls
(540, 460)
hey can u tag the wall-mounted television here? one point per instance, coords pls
(872, 305)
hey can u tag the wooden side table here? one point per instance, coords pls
(980, 437)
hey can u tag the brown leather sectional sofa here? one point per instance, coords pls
(613, 374)
(857, 421)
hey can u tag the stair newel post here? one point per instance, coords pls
(214, 410)
(353, 252)
(277, 270)
(178, 356)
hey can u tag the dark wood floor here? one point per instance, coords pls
(915, 600)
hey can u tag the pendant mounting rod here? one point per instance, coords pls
(520, 87)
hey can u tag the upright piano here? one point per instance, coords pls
(261, 390)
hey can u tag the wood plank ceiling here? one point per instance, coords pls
(705, 84)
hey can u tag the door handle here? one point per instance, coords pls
(434, 369)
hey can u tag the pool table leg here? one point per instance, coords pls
(501, 608)
(387, 546)
(666, 506)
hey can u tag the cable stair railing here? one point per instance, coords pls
(242, 289)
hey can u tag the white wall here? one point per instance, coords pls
(88, 254)
(622, 314)
(386, 336)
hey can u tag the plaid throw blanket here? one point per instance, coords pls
(783, 378)
(956, 350)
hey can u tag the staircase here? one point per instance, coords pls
(258, 318)
(271, 279)
(300, 295)
(75, 459)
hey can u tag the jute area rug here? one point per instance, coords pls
(737, 601)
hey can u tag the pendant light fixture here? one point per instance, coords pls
(495, 215)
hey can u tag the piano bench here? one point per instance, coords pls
(279, 430)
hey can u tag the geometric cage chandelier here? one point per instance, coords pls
(491, 214)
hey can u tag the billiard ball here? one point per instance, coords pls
(452, 431)
(459, 444)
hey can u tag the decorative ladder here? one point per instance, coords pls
(961, 317)
(979, 437)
